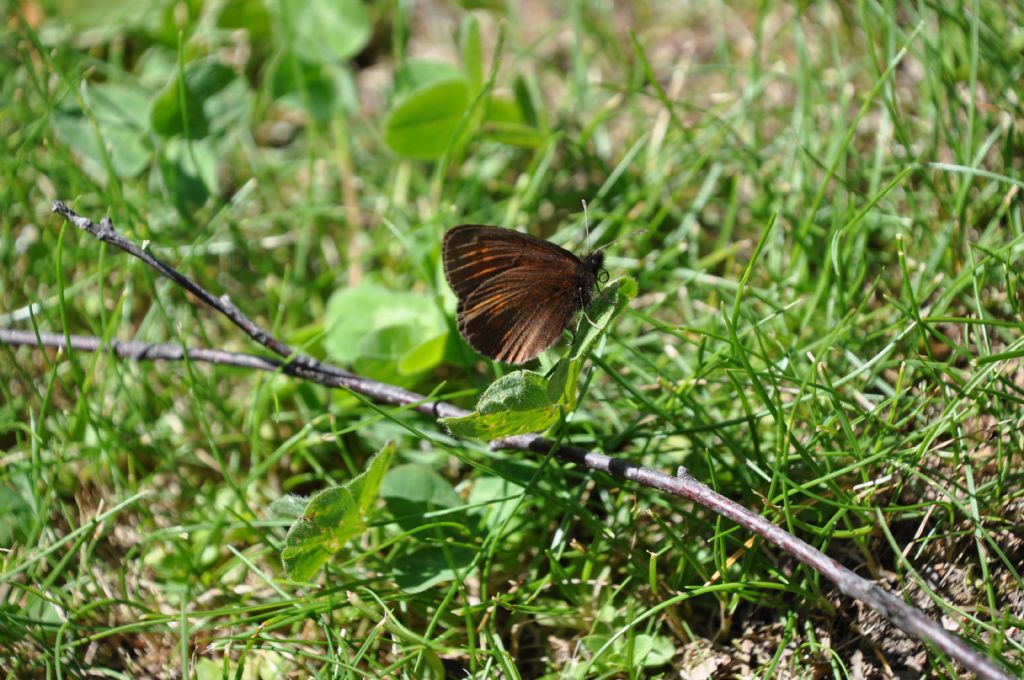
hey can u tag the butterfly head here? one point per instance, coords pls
(594, 265)
(589, 275)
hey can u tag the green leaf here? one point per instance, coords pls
(422, 125)
(424, 356)
(119, 115)
(651, 650)
(366, 486)
(513, 404)
(303, 84)
(503, 122)
(288, 507)
(197, 159)
(602, 311)
(502, 110)
(496, 499)
(16, 510)
(641, 651)
(472, 51)
(517, 391)
(411, 491)
(397, 354)
(499, 425)
(426, 567)
(189, 172)
(528, 100)
(328, 31)
(332, 518)
(248, 15)
(204, 79)
(416, 73)
(524, 401)
(110, 15)
(383, 331)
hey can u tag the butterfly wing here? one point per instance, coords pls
(515, 316)
(516, 293)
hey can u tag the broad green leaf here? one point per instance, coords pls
(515, 134)
(641, 651)
(414, 74)
(496, 498)
(426, 567)
(410, 491)
(119, 114)
(328, 31)
(188, 172)
(378, 328)
(304, 84)
(651, 650)
(111, 15)
(513, 404)
(422, 125)
(381, 352)
(424, 356)
(517, 391)
(288, 507)
(208, 669)
(503, 122)
(248, 15)
(503, 424)
(198, 159)
(602, 311)
(332, 518)
(502, 110)
(259, 664)
(204, 79)
(366, 486)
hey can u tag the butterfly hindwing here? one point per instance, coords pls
(516, 293)
(516, 315)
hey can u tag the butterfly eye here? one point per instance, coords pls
(602, 276)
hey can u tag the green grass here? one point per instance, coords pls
(859, 382)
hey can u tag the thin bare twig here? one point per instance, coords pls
(904, 616)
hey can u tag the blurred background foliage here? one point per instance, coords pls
(861, 386)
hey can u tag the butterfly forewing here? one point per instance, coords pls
(474, 253)
(516, 293)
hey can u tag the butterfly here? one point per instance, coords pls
(516, 293)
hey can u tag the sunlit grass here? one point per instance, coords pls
(859, 382)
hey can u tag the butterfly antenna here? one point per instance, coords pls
(586, 224)
(616, 240)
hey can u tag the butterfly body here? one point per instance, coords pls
(516, 293)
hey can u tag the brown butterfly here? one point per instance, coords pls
(516, 292)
